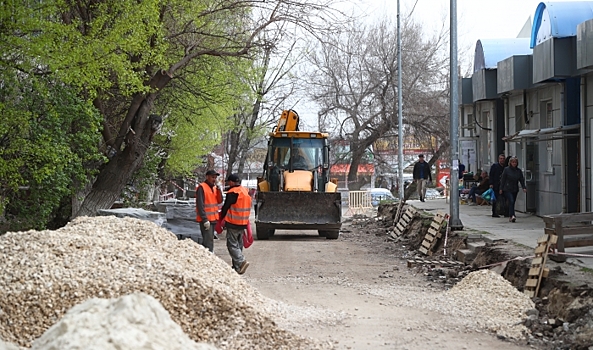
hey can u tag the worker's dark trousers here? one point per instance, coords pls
(208, 236)
(234, 243)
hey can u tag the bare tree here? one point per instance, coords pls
(271, 82)
(356, 85)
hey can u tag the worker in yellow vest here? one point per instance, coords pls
(208, 197)
(235, 211)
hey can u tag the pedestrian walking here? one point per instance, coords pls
(208, 197)
(494, 178)
(421, 176)
(235, 211)
(512, 176)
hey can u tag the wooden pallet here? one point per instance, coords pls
(443, 263)
(404, 222)
(399, 211)
(433, 234)
(538, 268)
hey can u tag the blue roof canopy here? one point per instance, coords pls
(491, 51)
(559, 19)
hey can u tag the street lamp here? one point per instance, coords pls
(454, 221)
(400, 131)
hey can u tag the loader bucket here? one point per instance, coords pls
(299, 210)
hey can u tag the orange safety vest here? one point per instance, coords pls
(238, 213)
(211, 200)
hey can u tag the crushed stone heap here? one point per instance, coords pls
(45, 273)
(500, 306)
(135, 321)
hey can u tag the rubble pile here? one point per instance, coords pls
(48, 272)
(561, 320)
(501, 306)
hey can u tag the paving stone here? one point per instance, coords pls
(465, 256)
(476, 247)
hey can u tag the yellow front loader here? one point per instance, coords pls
(295, 191)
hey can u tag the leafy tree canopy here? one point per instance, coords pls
(47, 136)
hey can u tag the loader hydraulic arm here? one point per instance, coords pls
(289, 121)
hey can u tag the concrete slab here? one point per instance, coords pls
(465, 255)
(476, 247)
(473, 237)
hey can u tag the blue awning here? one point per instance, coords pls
(491, 51)
(559, 19)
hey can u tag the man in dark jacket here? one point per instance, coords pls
(421, 175)
(494, 177)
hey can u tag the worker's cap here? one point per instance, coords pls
(421, 156)
(233, 178)
(211, 172)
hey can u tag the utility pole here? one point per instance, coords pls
(400, 127)
(454, 221)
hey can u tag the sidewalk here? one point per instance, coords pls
(525, 231)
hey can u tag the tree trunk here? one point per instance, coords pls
(353, 183)
(245, 143)
(116, 174)
(232, 150)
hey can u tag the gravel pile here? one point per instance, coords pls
(500, 306)
(45, 273)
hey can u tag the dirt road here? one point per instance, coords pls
(355, 293)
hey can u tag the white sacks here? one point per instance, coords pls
(136, 321)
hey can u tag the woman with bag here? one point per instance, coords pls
(511, 177)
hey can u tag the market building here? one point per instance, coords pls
(533, 98)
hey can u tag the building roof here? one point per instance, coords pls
(491, 51)
(559, 19)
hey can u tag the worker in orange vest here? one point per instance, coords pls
(208, 197)
(235, 211)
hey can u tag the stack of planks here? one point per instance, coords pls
(435, 263)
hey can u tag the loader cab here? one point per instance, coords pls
(297, 154)
(287, 155)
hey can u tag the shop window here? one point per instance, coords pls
(519, 118)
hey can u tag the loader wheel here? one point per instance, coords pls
(332, 234)
(322, 233)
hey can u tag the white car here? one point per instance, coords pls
(380, 194)
(432, 193)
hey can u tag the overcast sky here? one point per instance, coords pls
(477, 19)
